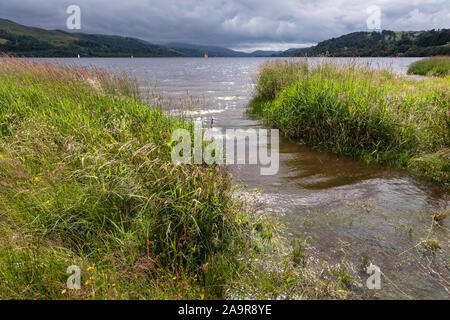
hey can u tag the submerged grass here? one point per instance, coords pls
(86, 179)
(433, 66)
(358, 110)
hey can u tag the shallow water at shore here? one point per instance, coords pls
(350, 209)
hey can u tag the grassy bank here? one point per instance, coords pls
(356, 110)
(434, 66)
(86, 179)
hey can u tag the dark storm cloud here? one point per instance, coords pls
(244, 24)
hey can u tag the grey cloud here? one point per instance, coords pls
(237, 24)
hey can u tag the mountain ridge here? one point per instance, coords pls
(380, 44)
(20, 40)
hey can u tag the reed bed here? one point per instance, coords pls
(358, 110)
(434, 66)
(86, 179)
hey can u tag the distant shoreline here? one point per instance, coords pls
(277, 57)
(22, 41)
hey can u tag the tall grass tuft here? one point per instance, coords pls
(433, 66)
(358, 110)
(275, 75)
(86, 178)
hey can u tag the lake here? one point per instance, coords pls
(351, 210)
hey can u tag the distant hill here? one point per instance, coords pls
(19, 40)
(380, 44)
(262, 53)
(213, 51)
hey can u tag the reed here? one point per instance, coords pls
(358, 110)
(434, 66)
(86, 179)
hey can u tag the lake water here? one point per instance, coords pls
(350, 209)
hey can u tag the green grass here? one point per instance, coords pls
(434, 66)
(35, 42)
(44, 35)
(86, 179)
(356, 110)
(86, 173)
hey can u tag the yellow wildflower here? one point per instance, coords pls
(202, 296)
(64, 291)
(113, 285)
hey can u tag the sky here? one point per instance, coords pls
(244, 25)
